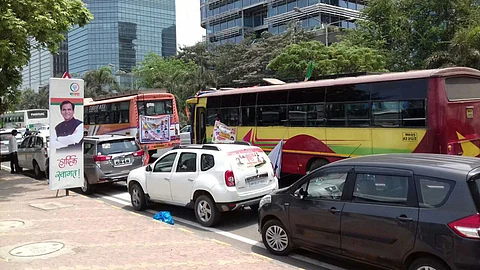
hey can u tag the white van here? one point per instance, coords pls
(210, 178)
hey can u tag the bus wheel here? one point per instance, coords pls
(317, 163)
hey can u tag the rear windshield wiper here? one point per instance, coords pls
(260, 164)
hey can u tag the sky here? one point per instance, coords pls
(189, 30)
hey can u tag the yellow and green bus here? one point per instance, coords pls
(425, 111)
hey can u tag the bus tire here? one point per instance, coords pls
(317, 163)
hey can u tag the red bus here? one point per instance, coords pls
(425, 111)
(122, 114)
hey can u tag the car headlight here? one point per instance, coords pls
(265, 200)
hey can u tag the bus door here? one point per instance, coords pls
(200, 127)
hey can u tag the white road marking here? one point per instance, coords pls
(124, 199)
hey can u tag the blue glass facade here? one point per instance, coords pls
(121, 34)
(227, 21)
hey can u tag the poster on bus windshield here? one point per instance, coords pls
(154, 129)
(66, 133)
(223, 134)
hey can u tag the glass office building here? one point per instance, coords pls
(43, 65)
(121, 34)
(228, 21)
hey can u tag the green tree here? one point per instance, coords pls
(25, 23)
(340, 57)
(30, 99)
(247, 62)
(100, 82)
(181, 78)
(409, 32)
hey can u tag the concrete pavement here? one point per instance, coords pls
(41, 231)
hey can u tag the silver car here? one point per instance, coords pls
(109, 158)
(4, 137)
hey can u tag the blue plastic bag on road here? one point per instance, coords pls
(164, 216)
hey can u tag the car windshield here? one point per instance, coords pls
(118, 146)
(4, 137)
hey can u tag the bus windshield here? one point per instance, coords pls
(155, 107)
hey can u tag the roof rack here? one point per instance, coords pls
(235, 142)
(129, 93)
(197, 146)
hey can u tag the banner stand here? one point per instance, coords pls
(66, 134)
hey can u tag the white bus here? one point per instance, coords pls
(31, 119)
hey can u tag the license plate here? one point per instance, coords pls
(121, 161)
(257, 182)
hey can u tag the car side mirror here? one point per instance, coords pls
(300, 193)
(148, 168)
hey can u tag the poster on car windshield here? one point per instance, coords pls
(155, 129)
(223, 134)
(66, 133)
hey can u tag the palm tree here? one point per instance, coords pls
(464, 50)
(100, 82)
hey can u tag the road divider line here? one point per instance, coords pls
(118, 199)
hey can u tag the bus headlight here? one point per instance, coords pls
(265, 200)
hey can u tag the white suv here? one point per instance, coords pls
(210, 178)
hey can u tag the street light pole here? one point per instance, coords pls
(324, 25)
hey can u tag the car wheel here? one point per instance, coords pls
(427, 264)
(206, 212)
(86, 188)
(275, 238)
(254, 207)
(138, 197)
(36, 170)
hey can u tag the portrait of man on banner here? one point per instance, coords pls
(67, 134)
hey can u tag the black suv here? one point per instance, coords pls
(400, 211)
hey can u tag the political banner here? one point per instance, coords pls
(66, 134)
(155, 129)
(223, 134)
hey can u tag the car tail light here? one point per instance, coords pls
(101, 158)
(229, 179)
(468, 227)
(138, 153)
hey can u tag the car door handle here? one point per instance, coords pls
(190, 179)
(166, 178)
(404, 218)
(334, 210)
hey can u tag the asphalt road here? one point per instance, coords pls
(238, 228)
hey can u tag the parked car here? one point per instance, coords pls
(210, 178)
(109, 158)
(185, 135)
(4, 141)
(405, 211)
(33, 154)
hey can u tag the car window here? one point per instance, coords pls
(379, 188)
(327, 186)
(4, 137)
(187, 162)
(38, 142)
(433, 192)
(88, 148)
(207, 162)
(185, 129)
(25, 143)
(118, 146)
(165, 164)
